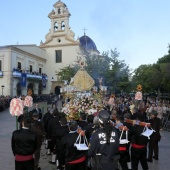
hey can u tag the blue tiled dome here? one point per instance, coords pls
(87, 43)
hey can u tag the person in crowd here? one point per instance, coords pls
(52, 124)
(21, 117)
(59, 102)
(123, 148)
(152, 107)
(38, 128)
(104, 144)
(131, 107)
(59, 132)
(164, 109)
(47, 117)
(135, 114)
(89, 122)
(125, 110)
(38, 110)
(111, 102)
(24, 145)
(142, 110)
(91, 130)
(82, 121)
(155, 123)
(72, 158)
(160, 111)
(138, 145)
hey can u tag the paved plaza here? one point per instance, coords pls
(8, 125)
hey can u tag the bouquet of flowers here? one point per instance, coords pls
(28, 102)
(16, 107)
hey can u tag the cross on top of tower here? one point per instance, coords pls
(84, 31)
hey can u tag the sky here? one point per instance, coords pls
(139, 29)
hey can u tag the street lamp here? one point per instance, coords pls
(2, 89)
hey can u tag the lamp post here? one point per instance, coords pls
(2, 89)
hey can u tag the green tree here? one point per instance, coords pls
(97, 66)
(118, 74)
(149, 76)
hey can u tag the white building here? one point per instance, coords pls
(59, 50)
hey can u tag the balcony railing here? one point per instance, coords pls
(17, 74)
(1, 73)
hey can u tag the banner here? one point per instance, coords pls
(44, 81)
(23, 79)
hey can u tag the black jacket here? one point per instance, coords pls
(155, 124)
(52, 124)
(98, 144)
(24, 142)
(59, 132)
(46, 119)
(70, 152)
(38, 128)
(136, 137)
(82, 123)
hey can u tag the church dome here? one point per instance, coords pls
(87, 43)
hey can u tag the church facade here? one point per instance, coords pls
(36, 67)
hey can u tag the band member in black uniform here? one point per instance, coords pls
(123, 148)
(104, 144)
(82, 121)
(59, 132)
(155, 137)
(138, 145)
(52, 124)
(38, 128)
(72, 158)
(24, 144)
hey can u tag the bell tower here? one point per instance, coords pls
(59, 25)
(59, 18)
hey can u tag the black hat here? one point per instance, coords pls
(104, 117)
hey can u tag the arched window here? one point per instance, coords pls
(55, 26)
(31, 87)
(57, 90)
(59, 11)
(62, 25)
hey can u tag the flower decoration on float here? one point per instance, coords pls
(73, 109)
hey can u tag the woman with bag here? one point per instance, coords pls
(104, 144)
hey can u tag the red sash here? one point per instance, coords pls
(138, 146)
(78, 160)
(23, 158)
(122, 148)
